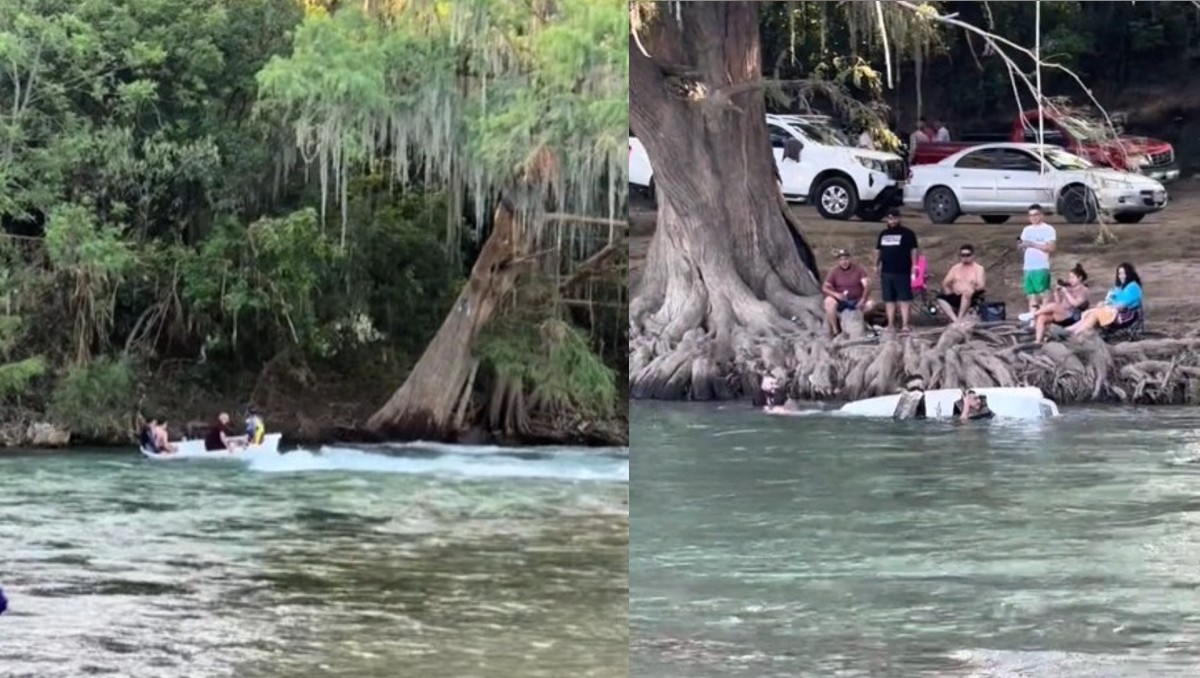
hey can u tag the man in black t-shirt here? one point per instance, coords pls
(895, 254)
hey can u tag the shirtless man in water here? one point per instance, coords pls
(963, 285)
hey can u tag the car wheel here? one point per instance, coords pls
(941, 205)
(995, 218)
(875, 211)
(836, 199)
(1128, 217)
(1078, 205)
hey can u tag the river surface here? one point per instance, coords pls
(830, 546)
(420, 560)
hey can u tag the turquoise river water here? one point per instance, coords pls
(418, 560)
(825, 545)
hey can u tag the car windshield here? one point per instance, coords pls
(1061, 160)
(823, 134)
(1082, 130)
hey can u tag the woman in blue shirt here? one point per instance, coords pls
(1121, 305)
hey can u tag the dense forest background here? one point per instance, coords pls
(179, 236)
(1140, 59)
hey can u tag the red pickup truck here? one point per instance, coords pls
(1152, 157)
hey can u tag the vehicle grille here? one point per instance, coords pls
(1164, 158)
(895, 169)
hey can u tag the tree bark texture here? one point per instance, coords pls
(728, 265)
(424, 407)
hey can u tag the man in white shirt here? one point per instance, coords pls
(1038, 242)
(943, 134)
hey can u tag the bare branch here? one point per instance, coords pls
(998, 44)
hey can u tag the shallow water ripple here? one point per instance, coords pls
(824, 545)
(345, 563)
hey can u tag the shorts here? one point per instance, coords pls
(1037, 282)
(895, 287)
(955, 300)
(847, 304)
(1070, 320)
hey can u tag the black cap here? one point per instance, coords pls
(894, 212)
(843, 253)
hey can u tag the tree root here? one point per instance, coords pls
(1157, 371)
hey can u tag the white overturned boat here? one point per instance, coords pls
(194, 449)
(1025, 402)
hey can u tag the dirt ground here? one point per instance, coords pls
(1165, 249)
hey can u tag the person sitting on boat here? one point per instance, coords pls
(219, 436)
(146, 435)
(162, 439)
(255, 429)
(1120, 307)
(1070, 301)
(972, 406)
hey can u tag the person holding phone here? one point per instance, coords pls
(1038, 241)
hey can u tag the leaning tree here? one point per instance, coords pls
(730, 287)
(516, 109)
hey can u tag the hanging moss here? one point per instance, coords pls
(487, 97)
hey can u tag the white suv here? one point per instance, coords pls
(833, 175)
(840, 180)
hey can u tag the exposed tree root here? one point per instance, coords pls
(1159, 371)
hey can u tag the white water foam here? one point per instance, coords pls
(461, 461)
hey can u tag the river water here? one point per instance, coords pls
(829, 546)
(401, 561)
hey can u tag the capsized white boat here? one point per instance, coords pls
(194, 449)
(1023, 402)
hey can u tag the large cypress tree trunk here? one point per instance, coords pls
(424, 407)
(728, 267)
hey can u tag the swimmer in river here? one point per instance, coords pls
(972, 406)
(915, 384)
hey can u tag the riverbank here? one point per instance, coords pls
(1163, 368)
(309, 406)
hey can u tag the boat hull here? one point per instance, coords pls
(194, 449)
(1026, 402)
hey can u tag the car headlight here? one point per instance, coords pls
(1114, 183)
(1139, 160)
(870, 163)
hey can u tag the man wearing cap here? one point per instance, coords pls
(845, 289)
(895, 258)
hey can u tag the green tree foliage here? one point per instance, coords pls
(1111, 45)
(481, 97)
(485, 95)
(165, 166)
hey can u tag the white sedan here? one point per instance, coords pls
(997, 181)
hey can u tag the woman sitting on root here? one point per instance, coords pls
(1119, 308)
(1070, 301)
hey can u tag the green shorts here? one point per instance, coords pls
(1037, 282)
